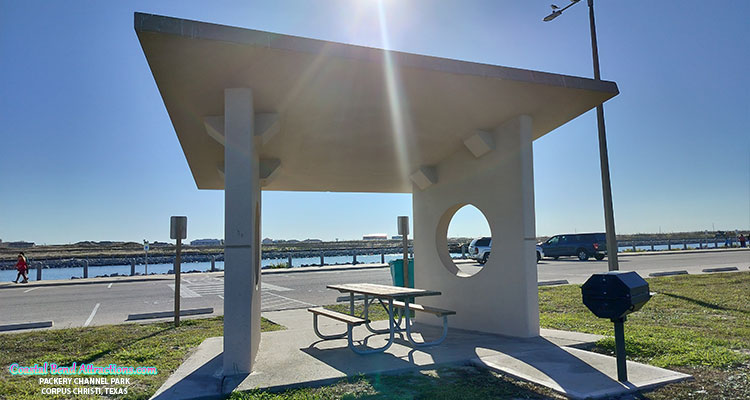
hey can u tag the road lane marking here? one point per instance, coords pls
(109, 286)
(185, 292)
(279, 302)
(268, 286)
(91, 317)
(28, 290)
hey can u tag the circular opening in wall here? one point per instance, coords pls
(466, 240)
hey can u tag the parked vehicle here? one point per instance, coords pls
(479, 250)
(539, 253)
(581, 245)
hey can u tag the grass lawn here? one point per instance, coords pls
(698, 324)
(155, 344)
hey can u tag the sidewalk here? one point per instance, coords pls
(163, 277)
(679, 250)
(297, 357)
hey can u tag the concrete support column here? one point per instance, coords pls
(242, 202)
(528, 277)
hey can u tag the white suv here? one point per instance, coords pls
(479, 250)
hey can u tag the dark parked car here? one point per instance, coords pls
(581, 245)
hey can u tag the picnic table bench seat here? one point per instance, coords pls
(345, 318)
(428, 309)
(350, 321)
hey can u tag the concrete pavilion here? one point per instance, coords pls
(258, 111)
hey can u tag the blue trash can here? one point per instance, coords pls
(397, 272)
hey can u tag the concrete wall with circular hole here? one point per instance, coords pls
(503, 297)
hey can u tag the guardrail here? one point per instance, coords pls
(674, 244)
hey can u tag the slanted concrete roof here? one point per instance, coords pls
(328, 118)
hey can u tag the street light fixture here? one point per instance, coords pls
(609, 214)
(556, 11)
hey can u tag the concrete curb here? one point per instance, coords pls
(27, 325)
(170, 314)
(295, 270)
(721, 269)
(162, 277)
(551, 283)
(668, 273)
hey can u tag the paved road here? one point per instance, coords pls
(110, 303)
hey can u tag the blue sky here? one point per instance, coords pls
(89, 153)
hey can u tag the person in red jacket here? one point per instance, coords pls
(23, 267)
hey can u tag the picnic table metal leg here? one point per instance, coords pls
(390, 338)
(328, 337)
(397, 327)
(424, 344)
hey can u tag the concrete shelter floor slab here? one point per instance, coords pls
(297, 357)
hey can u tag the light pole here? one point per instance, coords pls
(145, 248)
(609, 214)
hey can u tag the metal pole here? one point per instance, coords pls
(382, 257)
(177, 284)
(405, 241)
(609, 213)
(132, 267)
(39, 266)
(322, 260)
(622, 369)
(289, 261)
(354, 259)
(86, 269)
(213, 263)
(146, 262)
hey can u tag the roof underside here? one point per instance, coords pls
(336, 128)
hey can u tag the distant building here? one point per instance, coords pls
(20, 245)
(396, 237)
(206, 242)
(375, 236)
(266, 241)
